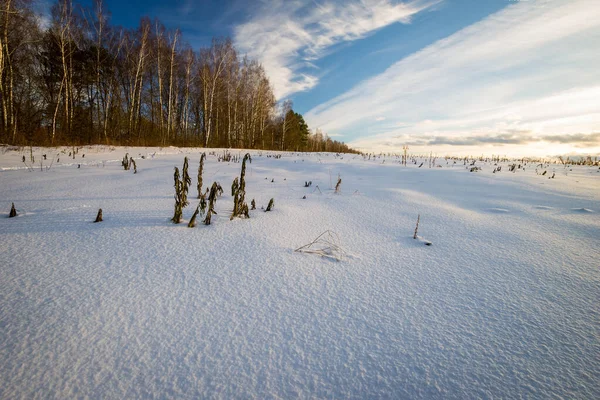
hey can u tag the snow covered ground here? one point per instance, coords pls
(504, 304)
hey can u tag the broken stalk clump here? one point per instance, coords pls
(178, 199)
(238, 190)
(125, 162)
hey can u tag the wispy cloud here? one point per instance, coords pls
(288, 36)
(532, 67)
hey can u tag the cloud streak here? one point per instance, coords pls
(288, 36)
(531, 67)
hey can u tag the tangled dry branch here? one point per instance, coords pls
(327, 244)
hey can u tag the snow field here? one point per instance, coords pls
(503, 304)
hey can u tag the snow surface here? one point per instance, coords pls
(504, 304)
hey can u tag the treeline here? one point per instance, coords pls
(76, 79)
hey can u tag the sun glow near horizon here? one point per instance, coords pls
(540, 150)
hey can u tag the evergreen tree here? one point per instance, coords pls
(303, 133)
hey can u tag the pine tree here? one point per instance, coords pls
(304, 132)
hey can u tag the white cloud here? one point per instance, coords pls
(533, 66)
(42, 10)
(288, 35)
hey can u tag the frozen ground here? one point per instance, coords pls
(503, 305)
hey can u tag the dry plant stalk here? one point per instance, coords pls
(178, 198)
(212, 198)
(200, 171)
(238, 191)
(270, 205)
(13, 211)
(417, 227)
(199, 210)
(325, 245)
(186, 181)
(99, 216)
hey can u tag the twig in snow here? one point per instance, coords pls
(338, 185)
(415, 236)
(51, 163)
(30, 169)
(417, 227)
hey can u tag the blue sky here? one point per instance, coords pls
(450, 76)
